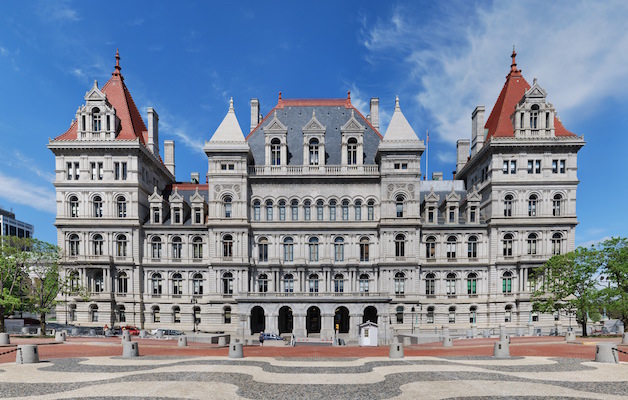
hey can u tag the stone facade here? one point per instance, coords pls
(314, 221)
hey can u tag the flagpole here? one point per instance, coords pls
(427, 148)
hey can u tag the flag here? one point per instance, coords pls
(427, 133)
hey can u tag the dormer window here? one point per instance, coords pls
(314, 152)
(156, 215)
(96, 120)
(176, 211)
(275, 152)
(534, 117)
(352, 151)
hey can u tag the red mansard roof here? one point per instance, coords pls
(499, 123)
(131, 123)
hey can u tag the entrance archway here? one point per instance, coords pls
(285, 320)
(341, 318)
(370, 314)
(258, 320)
(313, 321)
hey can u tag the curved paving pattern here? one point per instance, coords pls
(279, 378)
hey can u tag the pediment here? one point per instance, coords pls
(474, 197)
(314, 125)
(275, 125)
(197, 197)
(536, 92)
(95, 94)
(452, 197)
(155, 197)
(175, 197)
(432, 197)
(353, 125)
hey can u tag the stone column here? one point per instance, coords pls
(327, 325)
(354, 321)
(271, 323)
(298, 328)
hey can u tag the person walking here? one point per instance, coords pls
(261, 338)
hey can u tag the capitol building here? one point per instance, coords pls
(312, 221)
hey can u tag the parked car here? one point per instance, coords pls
(133, 330)
(167, 332)
(271, 336)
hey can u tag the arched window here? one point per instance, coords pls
(97, 244)
(532, 203)
(226, 315)
(75, 245)
(314, 152)
(313, 283)
(228, 206)
(275, 152)
(96, 121)
(93, 313)
(451, 247)
(288, 245)
(450, 284)
(72, 312)
(508, 313)
(508, 206)
(358, 210)
(399, 314)
(399, 206)
(288, 283)
(345, 210)
(263, 283)
(430, 315)
(313, 249)
(227, 247)
(177, 246)
(97, 203)
(452, 315)
(307, 210)
(430, 247)
(197, 284)
(507, 282)
(534, 117)
(364, 249)
(400, 279)
(352, 151)
(197, 247)
(269, 210)
(156, 283)
(177, 284)
(74, 281)
(430, 284)
(121, 245)
(156, 247)
(99, 282)
(557, 240)
(121, 317)
(319, 210)
(332, 210)
(472, 247)
(532, 239)
(473, 314)
(556, 205)
(156, 315)
(370, 209)
(472, 283)
(256, 210)
(282, 210)
(400, 246)
(339, 283)
(364, 283)
(507, 245)
(339, 249)
(176, 314)
(74, 207)
(263, 249)
(227, 283)
(294, 208)
(121, 202)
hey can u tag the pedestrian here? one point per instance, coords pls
(261, 338)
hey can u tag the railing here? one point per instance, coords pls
(314, 294)
(300, 170)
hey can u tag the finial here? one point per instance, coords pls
(275, 114)
(513, 66)
(349, 95)
(397, 107)
(231, 104)
(118, 68)
(534, 81)
(279, 95)
(313, 113)
(95, 83)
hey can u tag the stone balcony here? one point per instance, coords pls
(314, 170)
(313, 296)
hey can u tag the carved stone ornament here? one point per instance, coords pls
(217, 188)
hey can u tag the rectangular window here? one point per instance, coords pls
(76, 171)
(505, 168)
(430, 215)
(177, 215)
(156, 215)
(404, 166)
(537, 166)
(307, 213)
(472, 215)
(513, 167)
(116, 171)
(295, 213)
(93, 169)
(561, 166)
(397, 166)
(554, 166)
(197, 215)
(332, 213)
(282, 213)
(452, 213)
(69, 171)
(530, 166)
(319, 213)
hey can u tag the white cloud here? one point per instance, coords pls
(459, 61)
(21, 191)
(3, 52)
(363, 105)
(188, 140)
(593, 242)
(63, 13)
(31, 165)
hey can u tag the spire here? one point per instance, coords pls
(231, 104)
(399, 128)
(229, 129)
(513, 66)
(117, 68)
(397, 107)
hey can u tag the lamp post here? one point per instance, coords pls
(413, 317)
(194, 301)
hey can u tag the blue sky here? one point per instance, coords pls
(186, 61)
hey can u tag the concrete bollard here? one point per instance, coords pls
(222, 341)
(407, 340)
(606, 353)
(26, 330)
(519, 332)
(502, 329)
(501, 350)
(445, 331)
(448, 342)
(486, 333)
(159, 334)
(143, 334)
(624, 338)
(235, 350)
(38, 331)
(59, 336)
(130, 349)
(183, 341)
(4, 338)
(27, 354)
(396, 350)
(504, 337)
(126, 336)
(570, 337)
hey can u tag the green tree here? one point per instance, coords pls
(615, 266)
(13, 276)
(568, 282)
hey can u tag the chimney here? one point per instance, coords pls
(477, 130)
(195, 177)
(255, 117)
(153, 131)
(437, 176)
(462, 153)
(374, 112)
(169, 155)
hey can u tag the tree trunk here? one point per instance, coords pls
(2, 327)
(584, 329)
(42, 323)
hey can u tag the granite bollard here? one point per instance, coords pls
(606, 353)
(501, 350)
(130, 350)
(235, 350)
(396, 350)
(183, 341)
(27, 354)
(4, 338)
